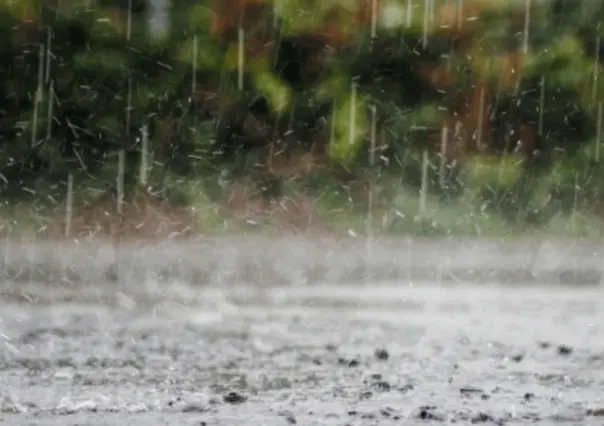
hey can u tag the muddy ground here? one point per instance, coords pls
(233, 349)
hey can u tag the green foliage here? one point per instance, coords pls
(78, 82)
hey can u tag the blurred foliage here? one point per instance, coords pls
(519, 99)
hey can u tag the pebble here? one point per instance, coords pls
(564, 350)
(234, 398)
(381, 354)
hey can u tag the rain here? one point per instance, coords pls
(314, 212)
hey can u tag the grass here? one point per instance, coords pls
(335, 208)
(460, 218)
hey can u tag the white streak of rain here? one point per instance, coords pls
(423, 195)
(144, 166)
(444, 138)
(240, 58)
(39, 95)
(69, 209)
(353, 113)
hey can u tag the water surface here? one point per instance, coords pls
(376, 353)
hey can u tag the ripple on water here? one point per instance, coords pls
(317, 355)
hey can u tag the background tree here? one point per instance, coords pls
(273, 90)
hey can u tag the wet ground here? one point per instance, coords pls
(313, 353)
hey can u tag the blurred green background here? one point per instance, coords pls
(425, 117)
